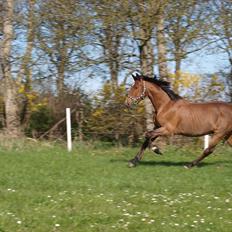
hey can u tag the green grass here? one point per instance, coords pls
(44, 188)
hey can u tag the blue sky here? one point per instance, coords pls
(196, 63)
(201, 63)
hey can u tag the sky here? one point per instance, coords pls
(196, 63)
(200, 63)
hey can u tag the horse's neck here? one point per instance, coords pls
(158, 97)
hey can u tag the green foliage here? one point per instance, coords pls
(111, 121)
(41, 120)
(44, 188)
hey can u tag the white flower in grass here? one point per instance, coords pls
(57, 225)
(126, 214)
(127, 224)
(151, 221)
(19, 222)
(146, 215)
(143, 219)
(176, 224)
(10, 190)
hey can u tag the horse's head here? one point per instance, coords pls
(137, 92)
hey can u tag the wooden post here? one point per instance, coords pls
(68, 127)
(206, 141)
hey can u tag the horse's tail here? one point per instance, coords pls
(229, 141)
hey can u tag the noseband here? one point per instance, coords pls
(140, 97)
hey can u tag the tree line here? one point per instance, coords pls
(48, 49)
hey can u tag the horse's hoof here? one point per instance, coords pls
(131, 164)
(156, 150)
(188, 166)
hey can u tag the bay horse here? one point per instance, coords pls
(177, 116)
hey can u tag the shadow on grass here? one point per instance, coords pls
(172, 163)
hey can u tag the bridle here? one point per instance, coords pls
(136, 100)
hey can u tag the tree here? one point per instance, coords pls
(186, 30)
(12, 120)
(161, 43)
(61, 38)
(143, 19)
(108, 32)
(24, 75)
(220, 31)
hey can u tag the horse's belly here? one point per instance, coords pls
(189, 129)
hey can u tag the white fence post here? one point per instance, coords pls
(68, 128)
(206, 141)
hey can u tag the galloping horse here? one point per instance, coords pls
(177, 116)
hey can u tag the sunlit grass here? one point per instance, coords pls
(45, 188)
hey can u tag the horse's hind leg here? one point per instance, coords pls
(215, 139)
(138, 157)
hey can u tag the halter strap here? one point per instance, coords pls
(140, 97)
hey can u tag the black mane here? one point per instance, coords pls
(165, 86)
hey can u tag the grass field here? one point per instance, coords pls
(44, 188)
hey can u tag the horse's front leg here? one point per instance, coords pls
(162, 131)
(149, 138)
(139, 155)
(153, 146)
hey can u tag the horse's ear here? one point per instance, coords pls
(136, 76)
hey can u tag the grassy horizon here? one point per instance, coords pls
(45, 188)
